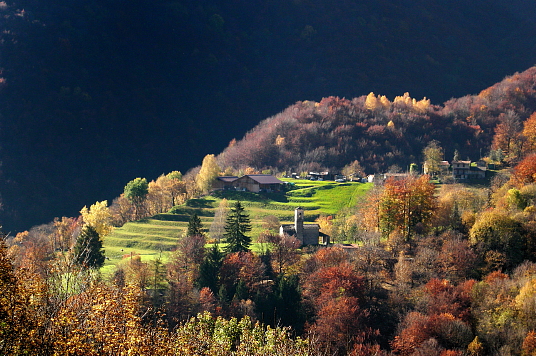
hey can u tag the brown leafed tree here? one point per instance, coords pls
(353, 170)
(407, 205)
(64, 233)
(23, 317)
(507, 135)
(284, 250)
(457, 260)
(529, 344)
(122, 210)
(336, 296)
(271, 223)
(369, 211)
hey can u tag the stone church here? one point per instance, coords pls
(307, 234)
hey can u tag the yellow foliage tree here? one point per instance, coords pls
(99, 217)
(279, 141)
(208, 173)
(371, 102)
(326, 225)
(404, 99)
(385, 102)
(433, 153)
(105, 320)
(526, 303)
(421, 105)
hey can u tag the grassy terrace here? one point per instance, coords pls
(159, 234)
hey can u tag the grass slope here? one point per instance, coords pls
(149, 237)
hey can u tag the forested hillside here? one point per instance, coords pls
(381, 133)
(94, 92)
(432, 271)
(417, 268)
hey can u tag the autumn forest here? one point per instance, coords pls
(425, 264)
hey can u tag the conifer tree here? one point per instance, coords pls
(209, 269)
(88, 251)
(195, 227)
(236, 225)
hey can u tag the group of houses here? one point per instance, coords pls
(458, 170)
(461, 170)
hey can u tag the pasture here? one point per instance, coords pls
(159, 234)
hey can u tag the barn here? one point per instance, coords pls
(258, 183)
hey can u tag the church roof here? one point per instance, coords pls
(305, 226)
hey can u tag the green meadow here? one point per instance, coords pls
(158, 235)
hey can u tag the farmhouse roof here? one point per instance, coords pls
(478, 168)
(264, 178)
(228, 179)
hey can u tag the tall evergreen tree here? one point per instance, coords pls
(236, 225)
(88, 250)
(195, 227)
(209, 269)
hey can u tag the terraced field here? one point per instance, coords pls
(159, 234)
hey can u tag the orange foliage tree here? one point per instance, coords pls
(507, 135)
(335, 294)
(406, 205)
(525, 171)
(443, 323)
(529, 132)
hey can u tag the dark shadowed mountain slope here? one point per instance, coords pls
(97, 92)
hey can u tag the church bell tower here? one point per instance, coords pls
(298, 223)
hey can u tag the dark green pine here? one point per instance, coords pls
(236, 225)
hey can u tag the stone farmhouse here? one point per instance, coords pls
(307, 234)
(250, 182)
(462, 170)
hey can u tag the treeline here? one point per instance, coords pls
(379, 133)
(448, 272)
